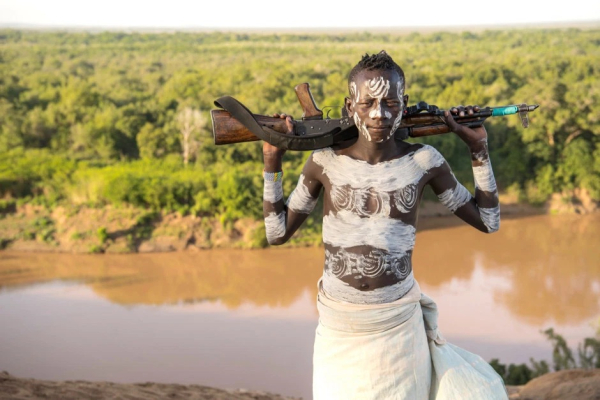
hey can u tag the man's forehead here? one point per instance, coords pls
(363, 77)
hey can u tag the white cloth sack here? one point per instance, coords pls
(394, 351)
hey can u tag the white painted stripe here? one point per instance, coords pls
(455, 198)
(273, 191)
(300, 201)
(387, 176)
(346, 229)
(490, 218)
(340, 290)
(275, 226)
(484, 177)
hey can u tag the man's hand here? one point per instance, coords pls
(273, 155)
(471, 136)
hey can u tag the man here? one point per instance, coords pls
(377, 336)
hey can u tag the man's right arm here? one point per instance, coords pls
(282, 219)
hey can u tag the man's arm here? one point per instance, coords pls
(282, 219)
(483, 210)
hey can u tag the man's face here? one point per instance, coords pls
(376, 103)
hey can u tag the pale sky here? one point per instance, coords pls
(202, 14)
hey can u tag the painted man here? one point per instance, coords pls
(377, 336)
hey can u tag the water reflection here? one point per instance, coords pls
(265, 277)
(552, 264)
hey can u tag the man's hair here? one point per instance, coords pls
(376, 62)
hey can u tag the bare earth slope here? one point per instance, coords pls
(18, 388)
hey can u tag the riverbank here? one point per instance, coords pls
(129, 230)
(110, 229)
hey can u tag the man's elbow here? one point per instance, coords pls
(490, 218)
(277, 241)
(492, 229)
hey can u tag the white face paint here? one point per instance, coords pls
(300, 201)
(490, 218)
(377, 89)
(362, 127)
(273, 191)
(354, 94)
(387, 176)
(398, 120)
(455, 198)
(275, 226)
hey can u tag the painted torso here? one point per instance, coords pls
(370, 214)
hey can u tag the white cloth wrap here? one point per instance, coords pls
(394, 351)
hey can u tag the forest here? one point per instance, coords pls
(122, 119)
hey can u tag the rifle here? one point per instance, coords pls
(234, 123)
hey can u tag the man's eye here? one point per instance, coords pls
(393, 103)
(366, 103)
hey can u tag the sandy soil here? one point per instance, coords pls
(18, 388)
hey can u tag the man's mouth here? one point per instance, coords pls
(381, 128)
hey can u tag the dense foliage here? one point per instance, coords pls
(91, 118)
(588, 353)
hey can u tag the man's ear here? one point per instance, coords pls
(349, 108)
(405, 100)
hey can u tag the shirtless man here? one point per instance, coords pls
(372, 189)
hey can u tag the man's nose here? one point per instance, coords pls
(379, 112)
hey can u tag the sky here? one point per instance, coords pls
(219, 14)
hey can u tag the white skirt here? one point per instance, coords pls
(394, 351)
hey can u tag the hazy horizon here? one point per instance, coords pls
(271, 15)
(591, 24)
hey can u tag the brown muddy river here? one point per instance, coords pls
(246, 319)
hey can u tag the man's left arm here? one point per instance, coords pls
(483, 210)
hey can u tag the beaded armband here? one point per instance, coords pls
(273, 176)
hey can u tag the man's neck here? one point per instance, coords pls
(374, 153)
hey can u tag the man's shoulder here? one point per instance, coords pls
(427, 156)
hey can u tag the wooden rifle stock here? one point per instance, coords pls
(418, 120)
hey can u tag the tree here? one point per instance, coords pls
(190, 122)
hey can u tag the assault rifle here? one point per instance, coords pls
(234, 123)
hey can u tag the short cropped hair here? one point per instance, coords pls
(376, 62)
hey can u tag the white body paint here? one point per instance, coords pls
(484, 176)
(490, 218)
(406, 198)
(387, 176)
(340, 290)
(275, 226)
(362, 196)
(273, 191)
(376, 263)
(356, 200)
(455, 198)
(346, 229)
(300, 201)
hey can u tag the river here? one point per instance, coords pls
(246, 318)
